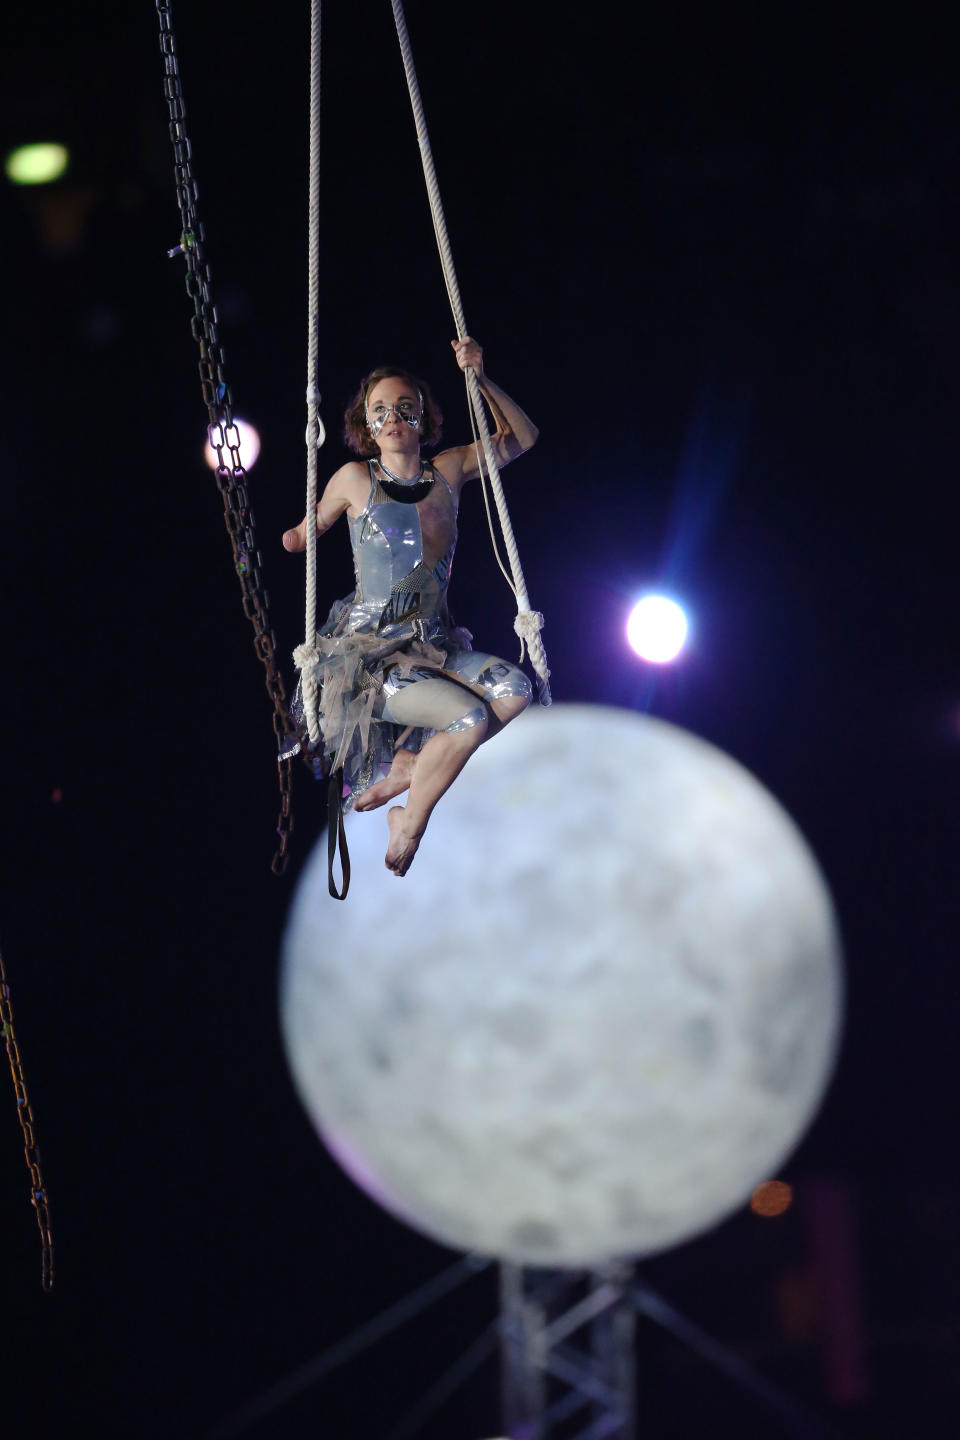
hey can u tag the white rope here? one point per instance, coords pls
(305, 656)
(528, 622)
(481, 466)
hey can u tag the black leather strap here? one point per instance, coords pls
(337, 835)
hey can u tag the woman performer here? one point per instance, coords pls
(399, 683)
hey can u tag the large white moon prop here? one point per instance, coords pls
(602, 1006)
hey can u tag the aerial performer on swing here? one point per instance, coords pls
(399, 685)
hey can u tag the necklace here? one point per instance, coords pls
(408, 492)
(399, 478)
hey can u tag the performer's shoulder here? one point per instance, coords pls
(357, 468)
(351, 478)
(449, 464)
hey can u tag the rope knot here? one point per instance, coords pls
(527, 624)
(306, 657)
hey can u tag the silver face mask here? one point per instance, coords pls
(380, 414)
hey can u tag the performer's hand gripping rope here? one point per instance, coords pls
(528, 622)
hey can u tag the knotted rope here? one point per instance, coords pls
(528, 622)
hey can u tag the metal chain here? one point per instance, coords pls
(224, 435)
(38, 1191)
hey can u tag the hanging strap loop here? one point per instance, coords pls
(337, 836)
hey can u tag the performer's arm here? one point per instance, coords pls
(331, 505)
(515, 432)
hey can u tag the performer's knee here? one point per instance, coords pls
(508, 707)
(475, 719)
(434, 704)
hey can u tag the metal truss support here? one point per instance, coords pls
(567, 1353)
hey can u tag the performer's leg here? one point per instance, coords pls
(507, 693)
(505, 688)
(438, 765)
(462, 722)
(505, 710)
(398, 780)
(419, 699)
(460, 719)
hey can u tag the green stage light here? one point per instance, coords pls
(36, 164)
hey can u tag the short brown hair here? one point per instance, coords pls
(355, 431)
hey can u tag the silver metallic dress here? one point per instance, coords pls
(393, 631)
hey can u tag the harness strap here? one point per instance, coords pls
(337, 836)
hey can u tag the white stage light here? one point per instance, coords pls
(657, 629)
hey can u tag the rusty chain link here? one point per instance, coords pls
(223, 432)
(38, 1191)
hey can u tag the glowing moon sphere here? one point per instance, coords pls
(599, 1010)
(657, 629)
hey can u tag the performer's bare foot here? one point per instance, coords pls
(402, 847)
(398, 780)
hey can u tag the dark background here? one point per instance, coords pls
(713, 251)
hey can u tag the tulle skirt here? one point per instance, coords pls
(354, 657)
